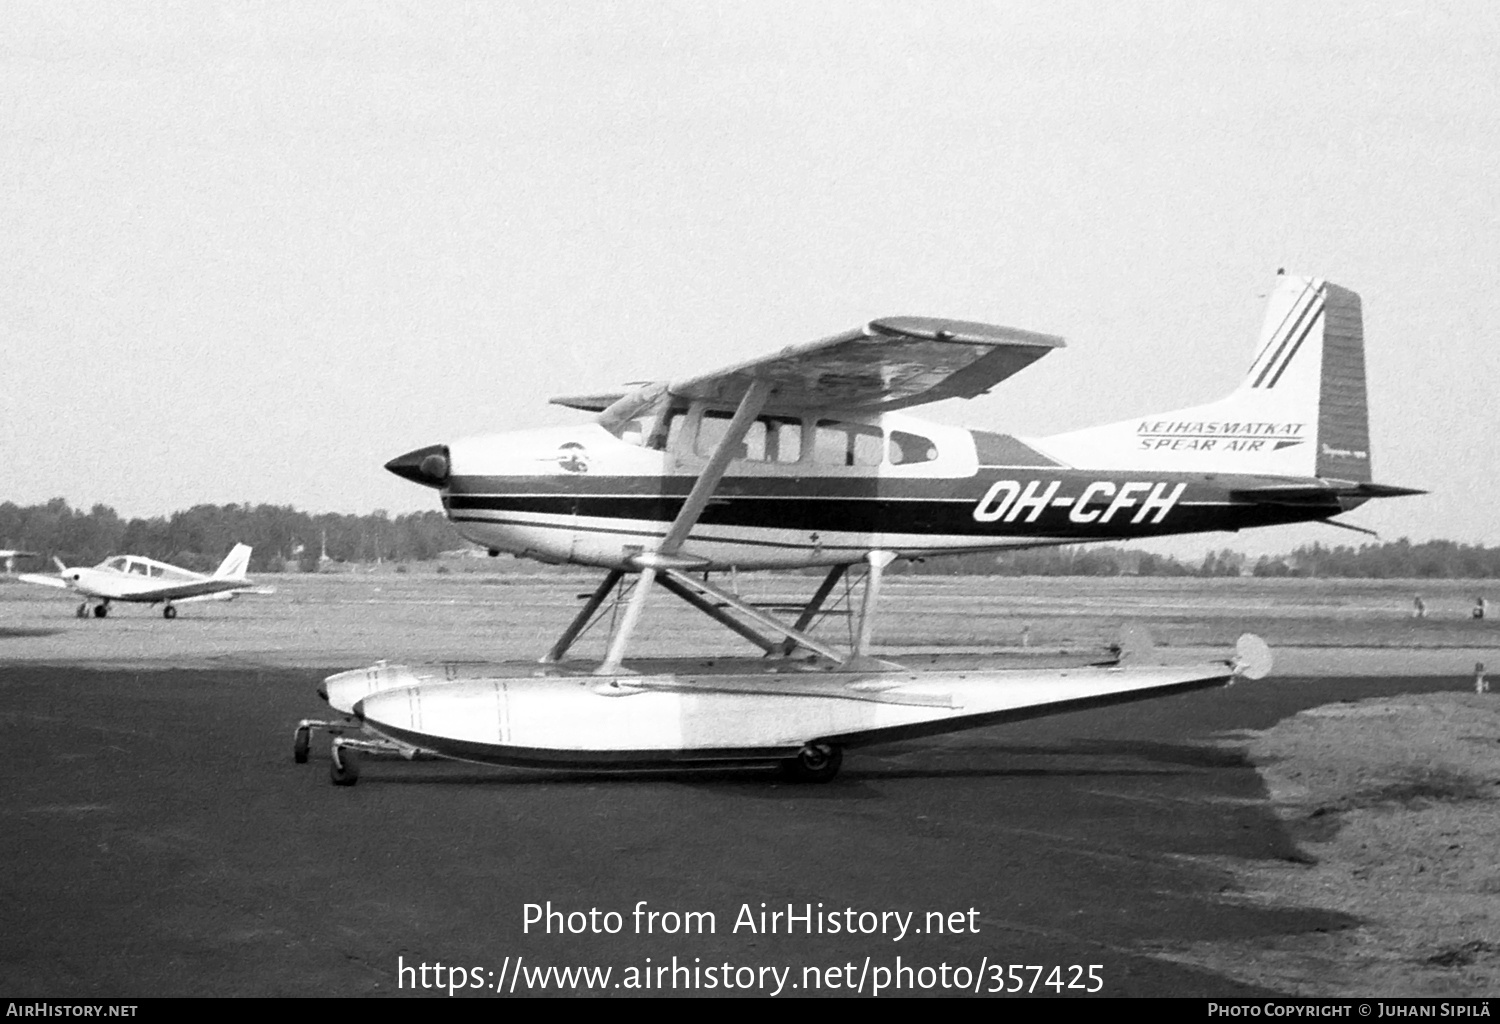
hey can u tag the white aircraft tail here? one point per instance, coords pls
(1300, 411)
(233, 567)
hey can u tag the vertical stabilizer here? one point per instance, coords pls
(233, 567)
(1299, 411)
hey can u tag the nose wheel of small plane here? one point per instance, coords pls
(816, 762)
(169, 612)
(101, 610)
(343, 769)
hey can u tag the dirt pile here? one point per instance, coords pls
(1396, 804)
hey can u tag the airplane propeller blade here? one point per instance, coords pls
(59, 563)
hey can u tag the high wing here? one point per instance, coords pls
(886, 364)
(892, 363)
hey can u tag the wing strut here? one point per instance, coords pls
(708, 480)
(616, 655)
(666, 554)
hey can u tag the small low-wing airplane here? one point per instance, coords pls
(143, 580)
(803, 458)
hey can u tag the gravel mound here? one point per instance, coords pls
(1395, 804)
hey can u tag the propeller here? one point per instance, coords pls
(59, 563)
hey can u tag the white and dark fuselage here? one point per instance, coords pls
(842, 488)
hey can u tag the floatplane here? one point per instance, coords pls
(807, 458)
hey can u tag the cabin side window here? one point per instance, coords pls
(836, 443)
(907, 449)
(769, 439)
(783, 438)
(712, 427)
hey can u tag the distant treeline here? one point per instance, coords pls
(1434, 559)
(200, 537)
(283, 537)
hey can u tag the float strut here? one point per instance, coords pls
(877, 560)
(581, 620)
(815, 605)
(621, 640)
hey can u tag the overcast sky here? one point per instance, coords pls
(251, 251)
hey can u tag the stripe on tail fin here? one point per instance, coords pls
(1300, 410)
(1293, 314)
(234, 566)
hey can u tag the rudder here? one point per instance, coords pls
(1343, 408)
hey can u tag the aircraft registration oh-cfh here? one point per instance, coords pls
(140, 580)
(805, 458)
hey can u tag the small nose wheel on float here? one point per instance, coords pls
(343, 766)
(346, 754)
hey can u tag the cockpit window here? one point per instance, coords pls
(633, 432)
(653, 431)
(906, 449)
(672, 436)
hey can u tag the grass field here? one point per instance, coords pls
(1316, 626)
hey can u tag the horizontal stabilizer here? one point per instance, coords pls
(221, 595)
(1319, 493)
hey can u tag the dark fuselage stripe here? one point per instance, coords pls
(873, 515)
